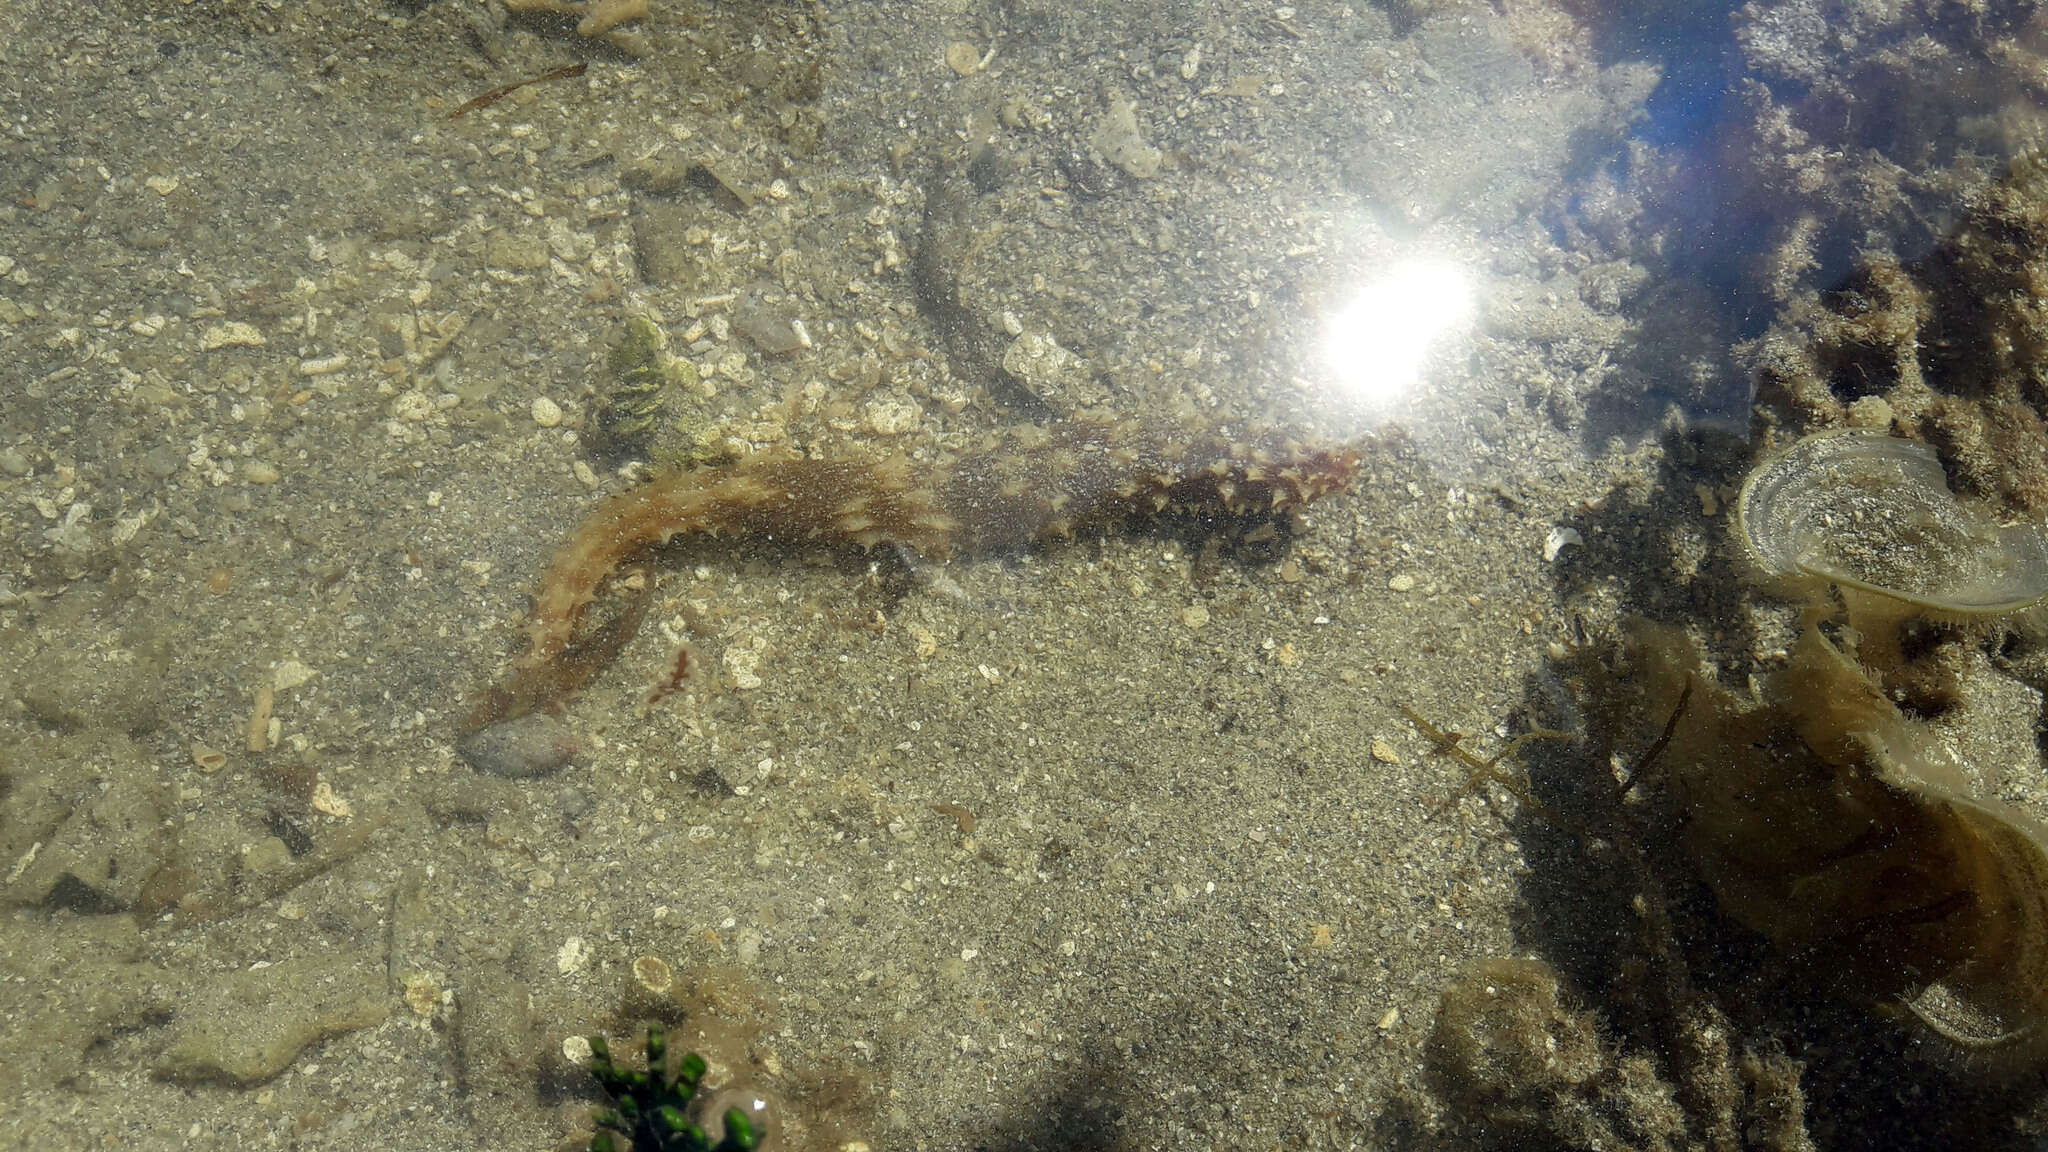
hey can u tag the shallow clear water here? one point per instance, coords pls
(1044, 821)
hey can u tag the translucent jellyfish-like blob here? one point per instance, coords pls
(1872, 515)
(1824, 818)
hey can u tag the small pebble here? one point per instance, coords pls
(1122, 142)
(327, 800)
(604, 15)
(546, 412)
(573, 803)
(772, 329)
(422, 995)
(892, 415)
(1402, 583)
(531, 745)
(963, 58)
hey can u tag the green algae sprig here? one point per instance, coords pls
(653, 1108)
(1871, 515)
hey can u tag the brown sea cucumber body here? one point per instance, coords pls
(1028, 484)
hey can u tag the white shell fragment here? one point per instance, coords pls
(1559, 540)
(233, 334)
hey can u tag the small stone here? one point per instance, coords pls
(743, 663)
(326, 800)
(1710, 502)
(572, 956)
(516, 253)
(1194, 616)
(604, 15)
(260, 472)
(250, 1026)
(290, 674)
(1384, 752)
(963, 58)
(1047, 368)
(573, 803)
(422, 994)
(892, 415)
(1119, 140)
(1402, 583)
(1558, 540)
(772, 328)
(531, 745)
(266, 857)
(725, 192)
(233, 334)
(546, 412)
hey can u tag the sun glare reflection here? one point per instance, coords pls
(1376, 344)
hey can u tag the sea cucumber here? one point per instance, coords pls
(1027, 484)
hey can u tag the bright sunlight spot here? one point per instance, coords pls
(1377, 343)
